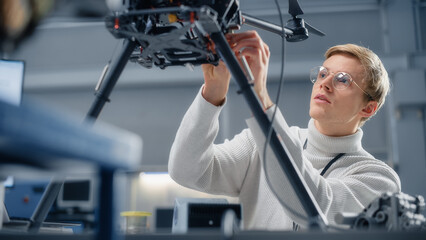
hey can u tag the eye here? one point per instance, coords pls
(322, 73)
(343, 78)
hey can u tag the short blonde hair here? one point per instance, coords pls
(376, 78)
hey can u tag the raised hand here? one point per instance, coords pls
(217, 78)
(216, 82)
(256, 52)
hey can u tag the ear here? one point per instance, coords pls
(369, 110)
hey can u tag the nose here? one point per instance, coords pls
(327, 82)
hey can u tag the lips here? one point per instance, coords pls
(321, 98)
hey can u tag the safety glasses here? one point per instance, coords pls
(341, 80)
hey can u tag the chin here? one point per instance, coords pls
(316, 113)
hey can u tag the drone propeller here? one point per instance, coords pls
(294, 10)
(314, 30)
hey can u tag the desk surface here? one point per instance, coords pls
(244, 235)
(37, 135)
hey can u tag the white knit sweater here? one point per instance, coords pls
(235, 168)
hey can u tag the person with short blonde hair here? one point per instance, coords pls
(376, 78)
(348, 88)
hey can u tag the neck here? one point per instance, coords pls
(335, 129)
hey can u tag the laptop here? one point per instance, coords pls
(9, 223)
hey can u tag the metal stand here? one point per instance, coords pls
(46, 202)
(106, 211)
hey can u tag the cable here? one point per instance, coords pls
(281, 81)
(270, 128)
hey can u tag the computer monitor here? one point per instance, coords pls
(79, 193)
(201, 213)
(11, 81)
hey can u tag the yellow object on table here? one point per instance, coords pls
(136, 221)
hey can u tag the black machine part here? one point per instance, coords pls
(169, 33)
(166, 31)
(389, 212)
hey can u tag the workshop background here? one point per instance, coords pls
(69, 49)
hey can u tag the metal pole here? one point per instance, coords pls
(45, 204)
(255, 22)
(106, 210)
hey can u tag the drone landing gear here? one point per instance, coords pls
(117, 66)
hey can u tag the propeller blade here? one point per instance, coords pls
(314, 30)
(294, 8)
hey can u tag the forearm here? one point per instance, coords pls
(196, 162)
(192, 148)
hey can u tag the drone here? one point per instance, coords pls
(176, 32)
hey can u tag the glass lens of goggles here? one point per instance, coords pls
(341, 80)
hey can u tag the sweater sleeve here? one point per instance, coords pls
(351, 192)
(196, 162)
(358, 185)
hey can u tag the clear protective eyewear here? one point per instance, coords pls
(341, 80)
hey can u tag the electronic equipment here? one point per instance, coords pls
(191, 214)
(11, 81)
(389, 212)
(163, 219)
(78, 193)
(38, 216)
(176, 32)
(168, 32)
(22, 197)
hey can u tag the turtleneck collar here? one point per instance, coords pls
(345, 144)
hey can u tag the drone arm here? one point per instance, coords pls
(256, 22)
(111, 78)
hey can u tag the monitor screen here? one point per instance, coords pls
(77, 193)
(11, 81)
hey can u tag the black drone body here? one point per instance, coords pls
(173, 32)
(167, 31)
